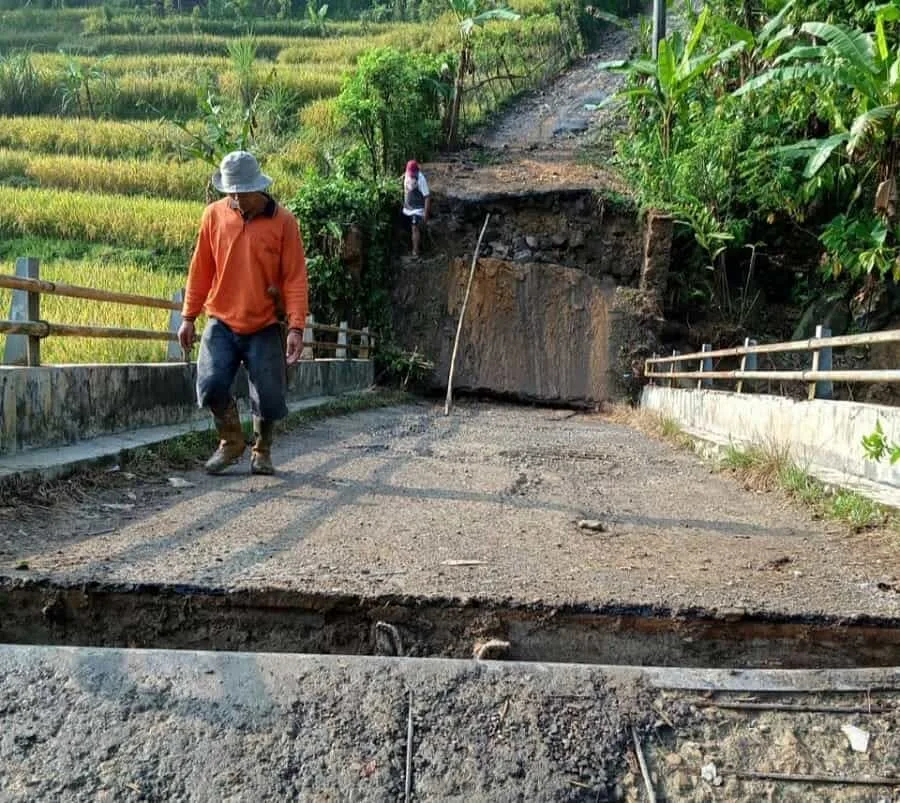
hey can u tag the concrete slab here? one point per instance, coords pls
(94, 724)
(88, 724)
(62, 460)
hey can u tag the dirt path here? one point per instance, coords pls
(385, 502)
(558, 117)
(534, 145)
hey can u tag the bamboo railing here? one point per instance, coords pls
(25, 328)
(820, 376)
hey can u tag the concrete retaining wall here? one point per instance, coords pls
(56, 405)
(825, 437)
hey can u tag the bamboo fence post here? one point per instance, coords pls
(462, 315)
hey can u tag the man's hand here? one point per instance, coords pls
(186, 335)
(294, 346)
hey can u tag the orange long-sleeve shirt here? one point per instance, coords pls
(235, 263)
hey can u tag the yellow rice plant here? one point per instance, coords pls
(192, 44)
(129, 221)
(122, 277)
(306, 84)
(319, 116)
(85, 137)
(185, 180)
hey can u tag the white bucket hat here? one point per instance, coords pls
(239, 172)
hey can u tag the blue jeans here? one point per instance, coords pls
(221, 353)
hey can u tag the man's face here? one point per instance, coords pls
(245, 202)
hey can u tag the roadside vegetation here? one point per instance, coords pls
(767, 468)
(112, 117)
(770, 131)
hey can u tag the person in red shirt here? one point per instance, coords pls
(248, 260)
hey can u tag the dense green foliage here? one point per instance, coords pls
(762, 124)
(327, 209)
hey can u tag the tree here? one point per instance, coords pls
(863, 65)
(470, 14)
(864, 71)
(391, 105)
(671, 77)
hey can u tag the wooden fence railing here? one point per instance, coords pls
(820, 376)
(26, 322)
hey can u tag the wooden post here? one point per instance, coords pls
(462, 314)
(25, 306)
(821, 361)
(705, 365)
(364, 344)
(748, 362)
(341, 351)
(672, 365)
(659, 25)
(309, 337)
(174, 352)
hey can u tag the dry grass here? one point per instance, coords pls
(650, 423)
(767, 467)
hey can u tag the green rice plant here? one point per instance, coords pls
(267, 47)
(163, 179)
(116, 276)
(134, 222)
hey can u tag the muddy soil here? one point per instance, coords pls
(485, 503)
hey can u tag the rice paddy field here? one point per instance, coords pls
(97, 109)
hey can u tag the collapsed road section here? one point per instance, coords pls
(413, 549)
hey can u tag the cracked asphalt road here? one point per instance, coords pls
(483, 503)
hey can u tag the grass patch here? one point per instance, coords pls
(190, 450)
(769, 467)
(650, 423)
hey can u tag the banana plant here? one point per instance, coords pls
(761, 46)
(869, 67)
(670, 79)
(470, 14)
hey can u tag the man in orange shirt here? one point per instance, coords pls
(249, 247)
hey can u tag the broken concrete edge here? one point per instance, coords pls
(615, 200)
(188, 665)
(335, 602)
(57, 463)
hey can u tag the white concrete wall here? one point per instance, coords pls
(825, 437)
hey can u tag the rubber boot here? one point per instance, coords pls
(231, 443)
(261, 456)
